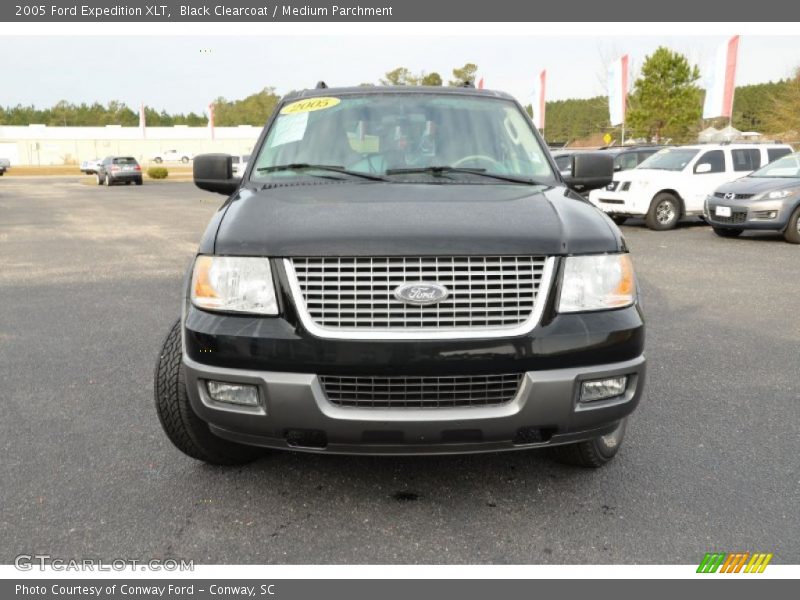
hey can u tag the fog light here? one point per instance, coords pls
(765, 214)
(601, 389)
(233, 393)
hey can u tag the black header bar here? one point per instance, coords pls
(397, 11)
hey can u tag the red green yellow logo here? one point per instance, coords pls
(734, 562)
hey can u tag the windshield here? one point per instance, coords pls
(377, 134)
(786, 167)
(669, 159)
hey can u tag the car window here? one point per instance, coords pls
(776, 153)
(670, 159)
(645, 154)
(715, 158)
(625, 161)
(788, 166)
(564, 163)
(376, 133)
(124, 160)
(746, 159)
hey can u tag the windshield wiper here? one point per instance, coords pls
(444, 170)
(310, 167)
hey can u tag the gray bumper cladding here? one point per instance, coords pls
(294, 413)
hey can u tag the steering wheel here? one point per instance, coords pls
(479, 158)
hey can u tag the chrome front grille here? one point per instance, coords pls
(421, 392)
(356, 294)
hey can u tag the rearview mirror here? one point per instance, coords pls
(214, 173)
(703, 168)
(590, 171)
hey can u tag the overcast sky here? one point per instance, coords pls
(182, 74)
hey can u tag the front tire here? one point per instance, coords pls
(727, 233)
(593, 454)
(185, 160)
(188, 432)
(665, 210)
(157, 160)
(792, 233)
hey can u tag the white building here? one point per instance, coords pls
(42, 145)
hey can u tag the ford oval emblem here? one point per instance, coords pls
(421, 293)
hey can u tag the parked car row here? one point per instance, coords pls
(758, 184)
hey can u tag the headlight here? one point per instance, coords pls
(598, 282)
(234, 284)
(776, 195)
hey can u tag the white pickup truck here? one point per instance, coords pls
(675, 182)
(172, 156)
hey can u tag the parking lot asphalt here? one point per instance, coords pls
(90, 280)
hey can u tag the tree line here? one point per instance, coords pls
(665, 103)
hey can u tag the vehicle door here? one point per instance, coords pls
(710, 170)
(745, 161)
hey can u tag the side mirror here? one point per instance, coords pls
(590, 171)
(702, 168)
(214, 173)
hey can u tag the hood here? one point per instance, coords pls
(382, 219)
(638, 174)
(758, 185)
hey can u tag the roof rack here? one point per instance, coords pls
(321, 85)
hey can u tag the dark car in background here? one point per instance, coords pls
(118, 169)
(625, 158)
(630, 157)
(767, 199)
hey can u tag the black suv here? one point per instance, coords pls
(403, 271)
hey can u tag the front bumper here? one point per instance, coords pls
(748, 214)
(620, 203)
(294, 413)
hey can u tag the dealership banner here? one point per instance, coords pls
(618, 90)
(721, 83)
(396, 11)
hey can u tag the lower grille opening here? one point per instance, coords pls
(533, 435)
(421, 392)
(383, 437)
(306, 438)
(453, 436)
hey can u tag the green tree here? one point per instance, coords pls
(400, 76)
(783, 112)
(666, 102)
(464, 75)
(431, 79)
(252, 110)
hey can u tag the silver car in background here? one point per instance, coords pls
(767, 199)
